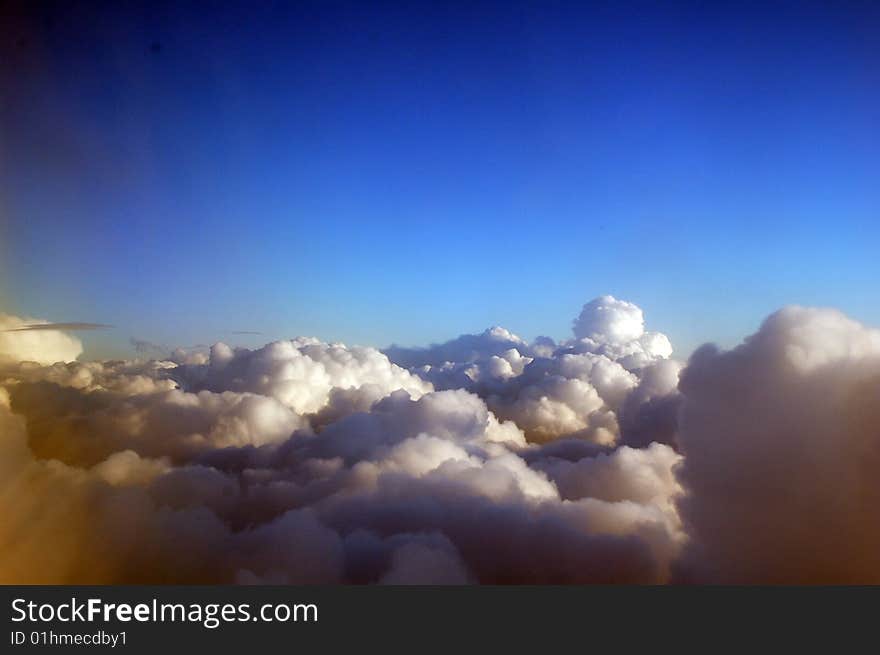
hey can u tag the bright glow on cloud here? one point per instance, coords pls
(609, 320)
(44, 346)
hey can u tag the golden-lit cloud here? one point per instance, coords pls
(24, 339)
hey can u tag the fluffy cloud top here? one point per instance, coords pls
(609, 320)
(300, 373)
(44, 346)
(466, 348)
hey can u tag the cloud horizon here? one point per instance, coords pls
(483, 459)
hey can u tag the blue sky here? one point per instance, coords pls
(394, 173)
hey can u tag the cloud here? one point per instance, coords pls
(25, 339)
(466, 348)
(573, 388)
(309, 462)
(300, 373)
(609, 320)
(487, 459)
(649, 412)
(425, 561)
(125, 377)
(781, 445)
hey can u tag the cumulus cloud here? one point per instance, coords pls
(300, 373)
(487, 459)
(554, 390)
(781, 444)
(649, 412)
(309, 462)
(466, 348)
(126, 377)
(609, 320)
(26, 339)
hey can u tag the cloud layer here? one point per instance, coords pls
(486, 459)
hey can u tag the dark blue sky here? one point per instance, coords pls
(375, 172)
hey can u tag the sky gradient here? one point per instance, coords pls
(394, 173)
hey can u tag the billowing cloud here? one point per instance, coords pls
(487, 459)
(466, 348)
(26, 339)
(781, 445)
(609, 320)
(300, 373)
(307, 462)
(553, 390)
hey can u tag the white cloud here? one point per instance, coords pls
(41, 346)
(609, 320)
(300, 373)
